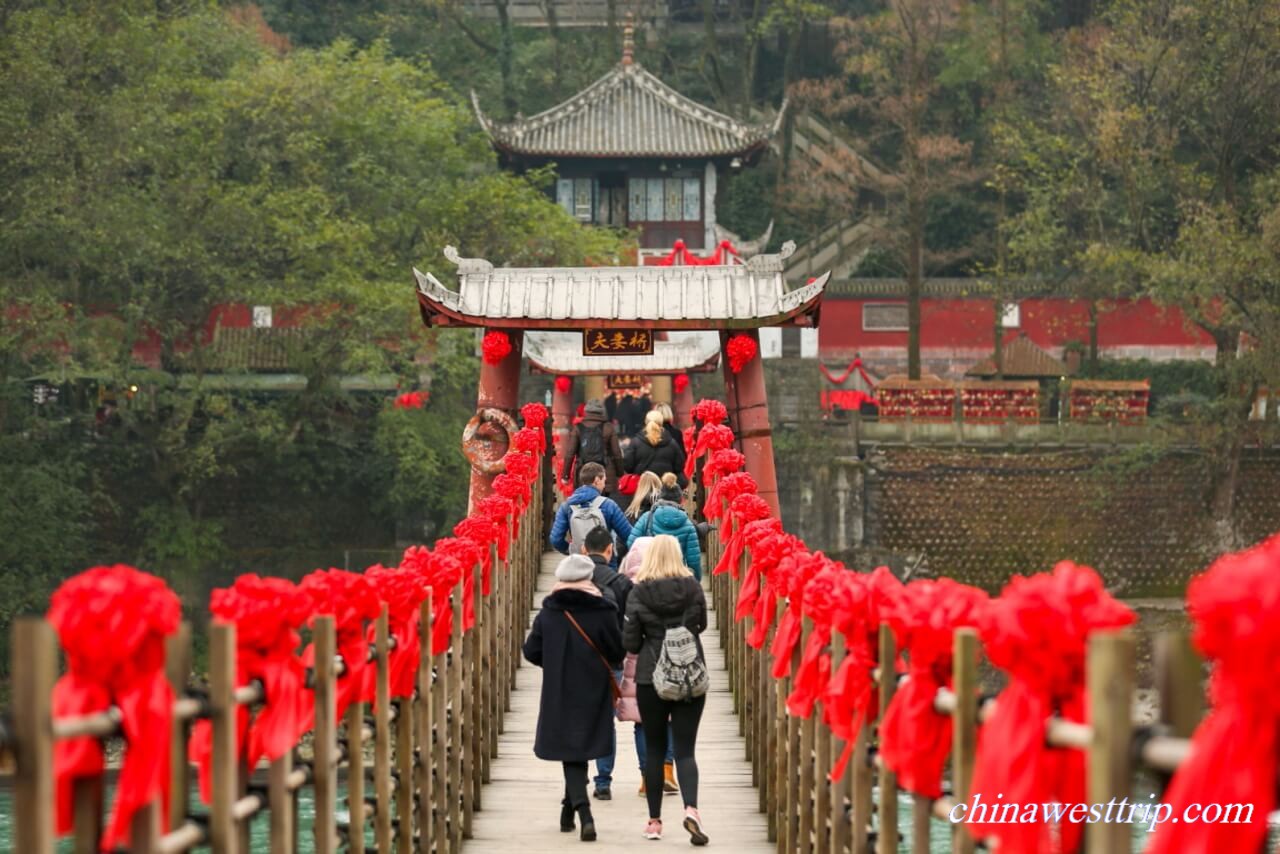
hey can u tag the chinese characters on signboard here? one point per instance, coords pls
(617, 342)
(618, 381)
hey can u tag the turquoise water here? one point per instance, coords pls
(258, 828)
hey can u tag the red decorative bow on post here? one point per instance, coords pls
(851, 697)
(1037, 632)
(1235, 606)
(484, 533)
(535, 415)
(351, 600)
(402, 591)
(725, 491)
(441, 574)
(502, 513)
(758, 537)
(915, 740)
(267, 613)
(711, 438)
(112, 622)
(825, 594)
(791, 576)
(766, 556)
(743, 509)
(467, 556)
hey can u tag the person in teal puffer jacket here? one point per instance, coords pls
(666, 516)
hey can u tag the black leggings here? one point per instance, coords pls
(575, 788)
(684, 717)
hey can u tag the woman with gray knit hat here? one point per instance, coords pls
(576, 641)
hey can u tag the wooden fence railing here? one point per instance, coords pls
(791, 757)
(431, 753)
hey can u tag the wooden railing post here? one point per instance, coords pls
(1110, 684)
(439, 750)
(382, 734)
(781, 744)
(222, 716)
(424, 712)
(355, 777)
(964, 729)
(791, 827)
(887, 838)
(808, 730)
(839, 788)
(33, 664)
(177, 664)
(325, 751)
(1178, 676)
(455, 743)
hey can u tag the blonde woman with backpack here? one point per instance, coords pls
(666, 612)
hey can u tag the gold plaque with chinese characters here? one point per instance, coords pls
(617, 342)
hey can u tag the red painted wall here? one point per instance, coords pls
(959, 328)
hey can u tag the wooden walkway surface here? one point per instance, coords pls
(522, 803)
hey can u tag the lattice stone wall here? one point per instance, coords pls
(981, 516)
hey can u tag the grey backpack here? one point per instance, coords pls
(583, 519)
(680, 673)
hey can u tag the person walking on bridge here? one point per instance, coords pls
(586, 509)
(666, 612)
(576, 641)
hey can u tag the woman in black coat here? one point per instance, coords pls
(654, 450)
(575, 714)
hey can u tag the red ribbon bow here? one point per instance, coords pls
(351, 600)
(1235, 606)
(467, 556)
(851, 696)
(267, 613)
(745, 508)
(500, 511)
(494, 347)
(915, 740)
(1037, 632)
(403, 592)
(711, 438)
(112, 622)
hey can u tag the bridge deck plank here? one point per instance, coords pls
(522, 804)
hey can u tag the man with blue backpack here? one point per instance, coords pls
(586, 509)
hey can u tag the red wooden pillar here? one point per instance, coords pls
(561, 415)
(683, 407)
(499, 388)
(749, 409)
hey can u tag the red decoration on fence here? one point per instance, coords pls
(351, 600)
(412, 400)
(494, 347)
(855, 365)
(403, 591)
(267, 613)
(915, 740)
(680, 383)
(112, 622)
(710, 411)
(564, 384)
(466, 554)
(711, 438)
(1037, 633)
(500, 511)
(743, 509)
(740, 350)
(1235, 606)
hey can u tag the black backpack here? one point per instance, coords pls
(590, 445)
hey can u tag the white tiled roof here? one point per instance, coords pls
(721, 297)
(561, 353)
(628, 113)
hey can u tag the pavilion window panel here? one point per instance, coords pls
(654, 194)
(636, 197)
(674, 200)
(692, 200)
(564, 194)
(583, 197)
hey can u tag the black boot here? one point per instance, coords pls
(588, 833)
(566, 816)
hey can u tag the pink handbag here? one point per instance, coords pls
(626, 706)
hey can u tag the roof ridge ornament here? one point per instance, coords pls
(467, 265)
(628, 41)
(773, 262)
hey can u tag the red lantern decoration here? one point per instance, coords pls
(495, 347)
(740, 350)
(564, 384)
(412, 400)
(680, 383)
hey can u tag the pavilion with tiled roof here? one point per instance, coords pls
(631, 152)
